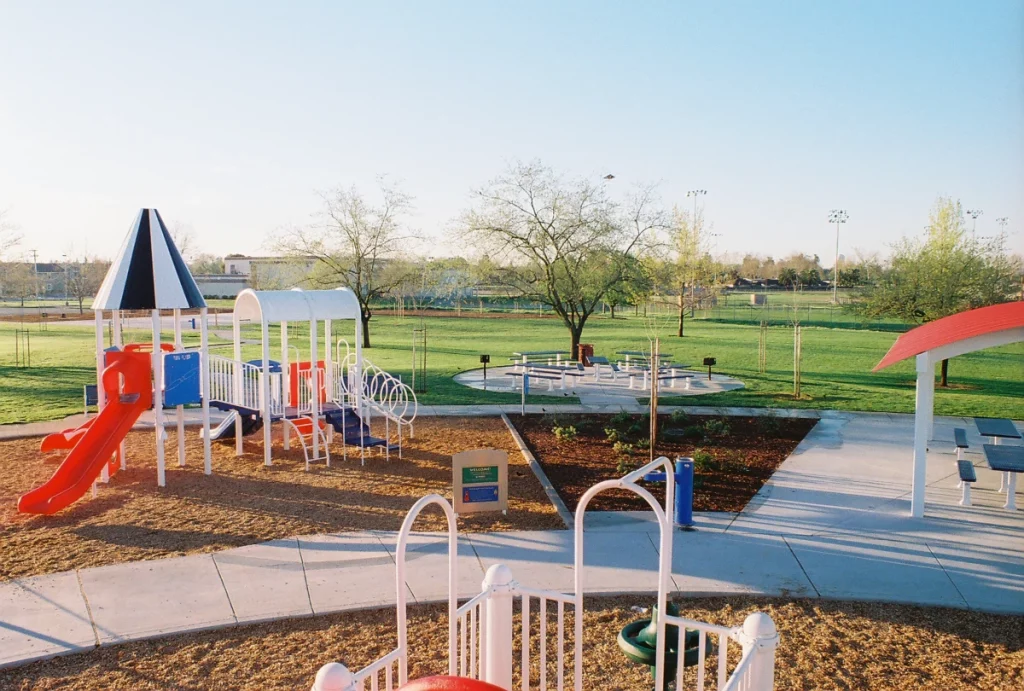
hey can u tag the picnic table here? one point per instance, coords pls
(641, 355)
(525, 355)
(997, 428)
(1010, 461)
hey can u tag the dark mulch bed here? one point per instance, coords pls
(734, 456)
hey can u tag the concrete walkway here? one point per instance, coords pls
(833, 522)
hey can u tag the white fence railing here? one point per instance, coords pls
(240, 384)
(480, 633)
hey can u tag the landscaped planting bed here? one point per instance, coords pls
(243, 501)
(823, 644)
(733, 456)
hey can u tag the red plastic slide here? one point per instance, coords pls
(101, 439)
(449, 684)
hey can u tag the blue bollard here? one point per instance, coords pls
(683, 510)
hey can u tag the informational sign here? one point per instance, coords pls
(480, 481)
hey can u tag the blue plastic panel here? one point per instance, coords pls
(181, 378)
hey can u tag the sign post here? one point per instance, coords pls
(480, 481)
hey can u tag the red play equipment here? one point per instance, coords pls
(98, 440)
(449, 684)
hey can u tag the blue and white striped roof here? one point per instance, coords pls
(148, 272)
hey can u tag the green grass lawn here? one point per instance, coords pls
(836, 368)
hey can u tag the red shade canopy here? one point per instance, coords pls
(954, 328)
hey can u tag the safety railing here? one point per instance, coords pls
(234, 382)
(480, 632)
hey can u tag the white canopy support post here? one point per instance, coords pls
(265, 391)
(236, 334)
(357, 379)
(180, 409)
(100, 365)
(158, 401)
(314, 396)
(204, 355)
(328, 360)
(115, 318)
(922, 424)
(286, 381)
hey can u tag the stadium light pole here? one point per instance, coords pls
(836, 216)
(974, 213)
(693, 228)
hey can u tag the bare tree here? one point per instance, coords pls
(353, 243)
(184, 239)
(9, 237)
(84, 278)
(563, 243)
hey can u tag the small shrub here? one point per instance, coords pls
(565, 433)
(715, 429)
(702, 460)
(643, 444)
(611, 434)
(624, 465)
(623, 449)
(693, 432)
(621, 418)
(635, 429)
(587, 426)
(769, 425)
(679, 417)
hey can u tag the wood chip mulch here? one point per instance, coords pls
(744, 457)
(244, 502)
(823, 645)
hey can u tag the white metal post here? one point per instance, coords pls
(328, 360)
(204, 355)
(180, 409)
(115, 317)
(760, 638)
(265, 391)
(922, 420)
(100, 393)
(158, 401)
(286, 381)
(314, 379)
(498, 656)
(236, 334)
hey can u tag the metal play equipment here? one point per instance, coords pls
(314, 398)
(480, 632)
(148, 274)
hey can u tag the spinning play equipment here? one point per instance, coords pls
(638, 641)
(482, 647)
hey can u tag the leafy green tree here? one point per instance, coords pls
(789, 278)
(562, 243)
(947, 270)
(693, 266)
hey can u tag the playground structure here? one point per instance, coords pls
(340, 393)
(480, 632)
(337, 394)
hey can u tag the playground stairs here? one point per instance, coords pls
(353, 430)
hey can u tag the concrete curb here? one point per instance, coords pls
(549, 489)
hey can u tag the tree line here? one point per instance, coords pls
(534, 235)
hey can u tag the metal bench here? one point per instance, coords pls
(960, 440)
(967, 476)
(547, 377)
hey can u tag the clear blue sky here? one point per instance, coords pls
(228, 115)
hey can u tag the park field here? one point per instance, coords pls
(836, 370)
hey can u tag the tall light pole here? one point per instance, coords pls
(974, 213)
(65, 258)
(836, 216)
(696, 244)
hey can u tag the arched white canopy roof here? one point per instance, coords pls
(274, 306)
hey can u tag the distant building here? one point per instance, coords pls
(260, 273)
